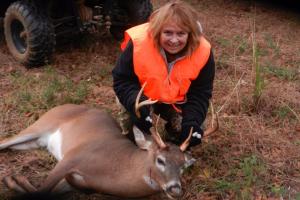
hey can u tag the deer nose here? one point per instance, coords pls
(174, 189)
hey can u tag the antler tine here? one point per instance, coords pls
(143, 103)
(156, 137)
(186, 143)
(207, 132)
(214, 127)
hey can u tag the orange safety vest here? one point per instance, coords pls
(150, 67)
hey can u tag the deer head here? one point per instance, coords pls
(168, 163)
(168, 160)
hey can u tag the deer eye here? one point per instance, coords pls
(160, 161)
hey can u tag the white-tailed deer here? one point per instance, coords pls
(93, 155)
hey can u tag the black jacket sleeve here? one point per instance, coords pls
(125, 82)
(195, 109)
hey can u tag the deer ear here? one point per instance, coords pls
(140, 139)
(189, 160)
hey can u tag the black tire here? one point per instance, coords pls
(129, 13)
(29, 33)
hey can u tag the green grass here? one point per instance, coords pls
(243, 175)
(282, 112)
(45, 91)
(223, 42)
(278, 191)
(259, 81)
(272, 44)
(242, 44)
(281, 72)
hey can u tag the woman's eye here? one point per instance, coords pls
(167, 32)
(182, 34)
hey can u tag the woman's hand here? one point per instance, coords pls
(144, 123)
(196, 135)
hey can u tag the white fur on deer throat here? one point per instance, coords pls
(52, 142)
(151, 183)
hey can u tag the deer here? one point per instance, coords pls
(93, 155)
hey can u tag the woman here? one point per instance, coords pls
(171, 55)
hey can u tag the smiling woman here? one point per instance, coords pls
(170, 56)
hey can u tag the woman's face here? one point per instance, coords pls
(173, 38)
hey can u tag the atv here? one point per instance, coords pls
(31, 27)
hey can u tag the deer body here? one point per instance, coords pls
(93, 155)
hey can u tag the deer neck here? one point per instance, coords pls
(141, 162)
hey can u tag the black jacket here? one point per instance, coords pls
(127, 86)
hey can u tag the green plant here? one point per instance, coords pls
(281, 72)
(242, 44)
(259, 77)
(224, 42)
(80, 92)
(278, 191)
(251, 168)
(271, 44)
(282, 112)
(224, 185)
(45, 91)
(50, 91)
(298, 196)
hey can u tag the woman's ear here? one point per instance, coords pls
(140, 139)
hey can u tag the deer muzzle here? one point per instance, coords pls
(173, 190)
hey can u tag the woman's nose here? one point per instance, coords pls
(174, 39)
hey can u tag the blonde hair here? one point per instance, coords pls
(183, 15)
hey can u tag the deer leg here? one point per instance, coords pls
(62, 187)
(24, 183)
(60, 171)
(18, 140)
(77, 180)
(11, 184)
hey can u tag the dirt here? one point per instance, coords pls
(266, 131)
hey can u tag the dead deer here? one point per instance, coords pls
(93, 155)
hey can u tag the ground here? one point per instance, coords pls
(255, 153)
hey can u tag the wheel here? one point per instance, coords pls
(129, 13)
(29, 34)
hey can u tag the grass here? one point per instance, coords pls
(272, 44)
(259, 76)
(32, 93)
(282, 73)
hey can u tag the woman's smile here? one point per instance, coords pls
(173, 38)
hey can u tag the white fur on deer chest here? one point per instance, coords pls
(53, 143)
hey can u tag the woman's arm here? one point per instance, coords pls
(195, 109)
(126, 86)
(125, 81)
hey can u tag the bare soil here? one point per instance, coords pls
(254, 155)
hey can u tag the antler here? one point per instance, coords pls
(154, 133)
(214, 118)
(143, 103)
(213, 128)
(156, 136)
(186, 143)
